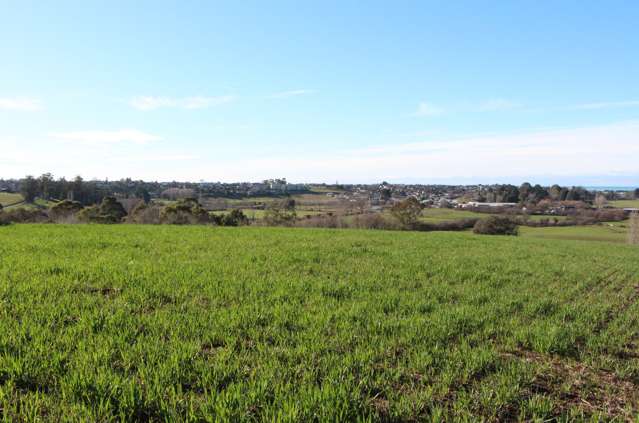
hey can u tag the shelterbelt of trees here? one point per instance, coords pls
(92, 192)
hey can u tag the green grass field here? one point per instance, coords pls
(625, 203)
(609, 232)
(436, 215)
(134, 322)
(440, 215)
(7, 198)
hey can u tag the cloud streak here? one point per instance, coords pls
(21, 104)
(607, 105)
(563, 153)
(425, 109)
(147, 103)
(106, 137)
(292, 93)
(497, 105)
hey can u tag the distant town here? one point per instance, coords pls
(553, 199)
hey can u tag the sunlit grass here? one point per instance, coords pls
(607, 231)
(134, 322)
(625, 203)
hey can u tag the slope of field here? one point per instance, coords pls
(196, 323)
(7, 198)
(625, 203)
(608, 232)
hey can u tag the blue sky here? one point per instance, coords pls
(322, 91)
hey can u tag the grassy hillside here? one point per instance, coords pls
(199, 323)
(608, 232)
(625, 203)
(7, 198)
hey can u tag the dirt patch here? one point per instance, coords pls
(574, 385)
(210, 348)
(381, 406)
(104, 291)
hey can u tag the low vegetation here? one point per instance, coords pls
(65, 211)
(195, 323)
(407, 212)
(183, 212)
(108, 211)
(496, 225)
(281, 213)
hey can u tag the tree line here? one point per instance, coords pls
(47, 187)
(528, 193)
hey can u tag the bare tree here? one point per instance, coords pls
(362, 204)
(600, 201)
(633, 235)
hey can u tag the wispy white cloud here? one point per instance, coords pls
(497, 104)
(151, 103)
(292, 93)
(425, 109)
(563, 153)
(106, 137)
(158, 158)
(146, 103)
(22, 104)
(607, 105)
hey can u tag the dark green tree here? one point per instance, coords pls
(29, 188)
(407, 212)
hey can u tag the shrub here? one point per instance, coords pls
(448, 225)
(281, 213)
(495, 225)
(216, 219)
(89, 214)
(373, 221)
(22, 215)
(184, 212)
(407, 212)
(109, 211)
(143, 213)
(610, 215)
(236, 217)
(64, 211)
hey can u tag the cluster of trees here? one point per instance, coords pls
(68, 211)
(84, 192)
(527, 193)
(110, 210)
(184, 212)
(92, 192)
(281, 213)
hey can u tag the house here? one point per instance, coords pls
(488, 205)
